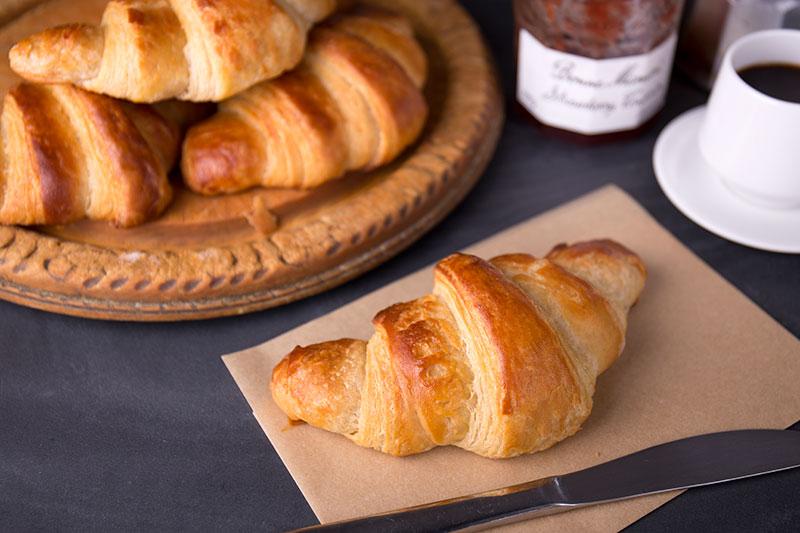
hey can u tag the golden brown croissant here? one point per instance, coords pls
(71, 154)
(353, 103)
(500, 360)
(151, 50)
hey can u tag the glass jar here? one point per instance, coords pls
(595, 67)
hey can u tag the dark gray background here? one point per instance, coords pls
(135, 426)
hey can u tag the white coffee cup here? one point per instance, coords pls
(753, 140)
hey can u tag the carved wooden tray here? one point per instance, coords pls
(210, 257)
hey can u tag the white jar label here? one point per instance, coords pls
(592, 96)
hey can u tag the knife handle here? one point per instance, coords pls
(468, 513)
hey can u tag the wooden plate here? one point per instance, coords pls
(210, 257)
(12, 8)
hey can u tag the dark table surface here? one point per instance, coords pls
(139, 426)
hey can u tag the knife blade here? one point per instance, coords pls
(681, 464)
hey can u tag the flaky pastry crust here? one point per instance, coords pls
(500, 360)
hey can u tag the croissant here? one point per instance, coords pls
(151, 50)
(353, 103)
(70, 154)
(500, 360)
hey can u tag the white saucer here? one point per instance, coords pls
(697, 190)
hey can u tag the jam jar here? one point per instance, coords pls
(595, 68)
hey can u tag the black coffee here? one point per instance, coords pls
(780, 81)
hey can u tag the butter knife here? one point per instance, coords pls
(681, 464)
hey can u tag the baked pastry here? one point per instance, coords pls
(151, 50)
(500, 360)
(354, 103)
(71, 154)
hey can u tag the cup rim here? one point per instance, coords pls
(745, 40)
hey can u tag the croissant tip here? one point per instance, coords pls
(17, 58)
(606, 246)
(67, 53)
(219, 156)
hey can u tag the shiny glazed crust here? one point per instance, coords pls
(354, 103)
(500, 360)
(152, 50)
(71, 154)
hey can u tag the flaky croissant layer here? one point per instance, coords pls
(354, 103)
(70, 154)
(500, 360)
(152, 50)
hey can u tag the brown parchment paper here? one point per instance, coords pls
(700, 357)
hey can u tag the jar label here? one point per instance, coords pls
(592, 96)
